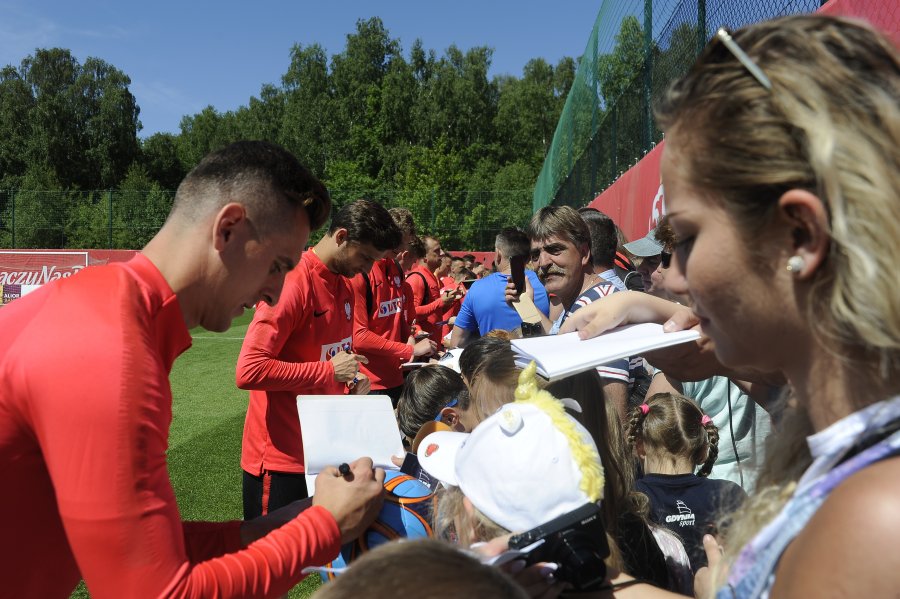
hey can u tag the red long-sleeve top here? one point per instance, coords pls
(382, 333)
(287, 352)
(427, 314)
(85, 409)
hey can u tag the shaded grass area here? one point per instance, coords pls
(205, 437)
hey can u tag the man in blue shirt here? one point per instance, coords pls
(484, 307)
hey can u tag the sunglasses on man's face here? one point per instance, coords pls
(665, 259)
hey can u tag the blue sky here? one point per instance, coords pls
(183, 56)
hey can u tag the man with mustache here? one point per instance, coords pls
(561, 255)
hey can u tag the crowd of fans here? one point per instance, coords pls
(738, 465)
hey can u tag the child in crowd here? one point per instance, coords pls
(430, 393)
(672, 436)
(528, 463)
(420, 568)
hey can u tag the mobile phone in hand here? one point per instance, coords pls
(517, 266)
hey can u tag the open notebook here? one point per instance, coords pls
(559, 356)
(342, 428)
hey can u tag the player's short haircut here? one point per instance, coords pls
(604, 238)
(367, 222)
(513, 242)
(423, 567)
(417, 248)
(262, 176)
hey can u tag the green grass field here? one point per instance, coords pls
(205, 439)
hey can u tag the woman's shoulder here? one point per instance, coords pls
(848, 547)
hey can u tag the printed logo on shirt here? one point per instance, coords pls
(347, 311)
(331, 350)
(684, 517)
(388, 307)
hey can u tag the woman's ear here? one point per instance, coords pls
(807, 217)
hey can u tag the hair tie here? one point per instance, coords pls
(705, 420)
(645, 409)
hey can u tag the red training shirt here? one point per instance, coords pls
(85, 409)
(381, 335)
(286, 352)
(427, 315)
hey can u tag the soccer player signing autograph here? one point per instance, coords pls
(304, 345)
(86, 403)
(382, 330)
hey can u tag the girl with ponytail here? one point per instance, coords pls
(672, 437)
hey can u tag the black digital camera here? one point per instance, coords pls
(576, 541)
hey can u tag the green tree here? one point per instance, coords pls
(40, 207)
(140, 208)
(16, 101)
(83, 122)
(201, 134)
(305, 87)
(160, 157)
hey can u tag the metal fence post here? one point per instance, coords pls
(13, 200)
(647, 133)
(109, 228)
(701, 26)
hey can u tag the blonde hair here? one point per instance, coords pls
(830, 125)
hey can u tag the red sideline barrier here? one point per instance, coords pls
(635, 200)
(485, 258)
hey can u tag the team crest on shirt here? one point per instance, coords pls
(347, 311)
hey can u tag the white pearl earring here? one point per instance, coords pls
(796, 264)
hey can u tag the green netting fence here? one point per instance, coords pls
(634, 50)
(462, 220)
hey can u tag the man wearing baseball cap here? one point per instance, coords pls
(649, 249)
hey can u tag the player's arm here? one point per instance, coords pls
(418, 285)
(365, 341)
(259, 364)
(104, 445)
(461, 334)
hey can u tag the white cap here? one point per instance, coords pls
(521, 467)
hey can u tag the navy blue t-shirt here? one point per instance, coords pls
(688, 505)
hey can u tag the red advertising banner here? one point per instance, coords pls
(38, 267)
(635, 200)
(23, 271)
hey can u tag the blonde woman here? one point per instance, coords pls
(782, 179)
